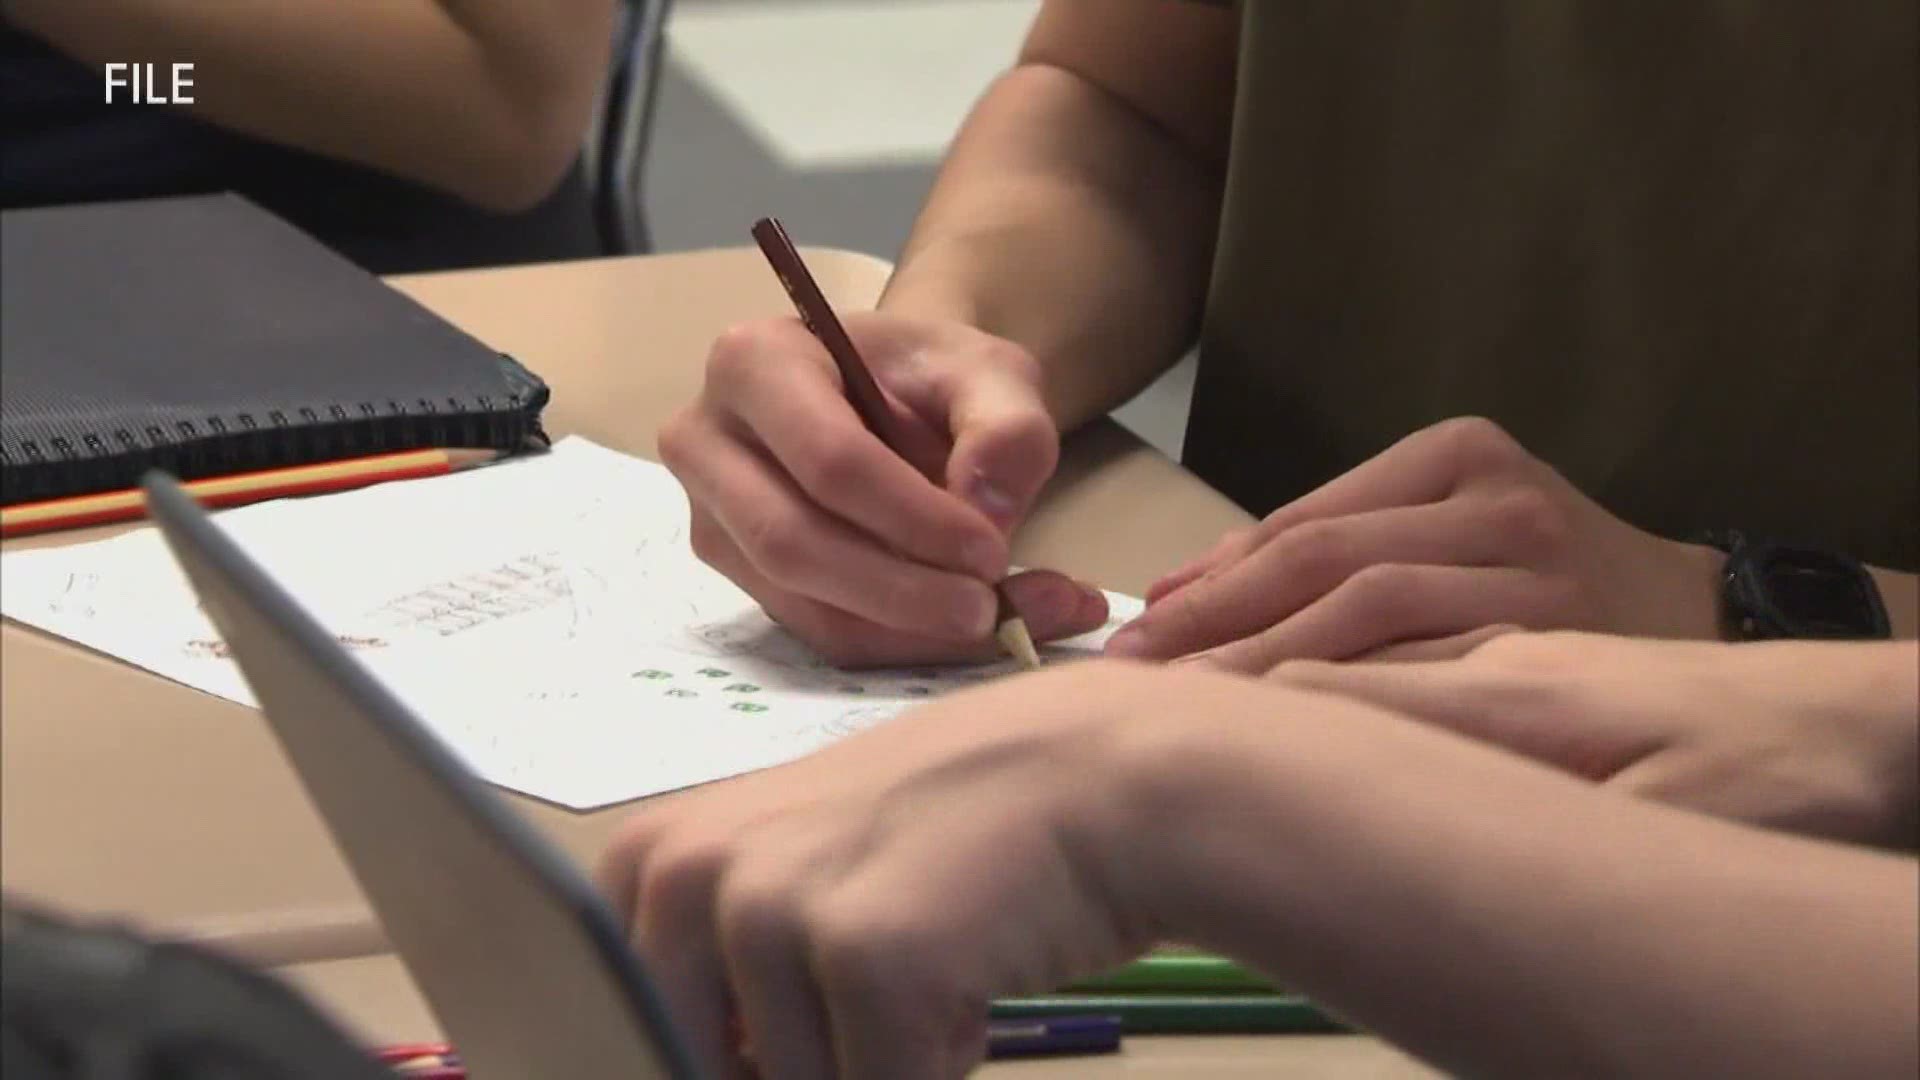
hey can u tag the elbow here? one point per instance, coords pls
(507, 148)
(516, 168)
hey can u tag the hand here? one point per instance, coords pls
(868, 555)
(1412, 554)
(860, 907)
(1812, 737)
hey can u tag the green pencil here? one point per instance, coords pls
(1176, 973)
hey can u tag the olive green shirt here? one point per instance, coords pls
(1668, 244)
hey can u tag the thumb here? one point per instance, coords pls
(1005, 445)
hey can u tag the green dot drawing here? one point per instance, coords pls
(714, 672)
(679, 691)
(918, 691)
(853, 688)
(747, 706)
(653, 673)
(743, 688)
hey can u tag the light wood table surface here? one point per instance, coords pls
(372, 997)
(127, 796)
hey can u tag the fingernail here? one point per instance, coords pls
(1199, 661)
(992, 500)
(1128, 641)
(973, 619)
(983, 558)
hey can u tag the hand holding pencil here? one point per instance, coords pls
(876, 543)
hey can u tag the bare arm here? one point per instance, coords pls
(1075, 214)
(1374, 865)
(487, 99)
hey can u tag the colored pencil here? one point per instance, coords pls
(1046, 1036)
(864, 393)
(81, 510)
(1040, 1037)
(1176, 973)
(1180, 1014)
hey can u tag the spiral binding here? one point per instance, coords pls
(86, 462)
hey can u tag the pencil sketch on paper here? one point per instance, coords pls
(75, 597)
(751, 634)
(855, 721)
(528, 583)
(216, 649)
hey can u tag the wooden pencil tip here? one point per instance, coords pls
(1018, 640)
(464, 458)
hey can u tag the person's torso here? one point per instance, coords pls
(1668, 244)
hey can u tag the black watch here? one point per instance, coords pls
(1769, 589)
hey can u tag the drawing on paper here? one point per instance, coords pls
(528, 583)
(585, 613)
(750, 633)
(216, 649)
(855, 721)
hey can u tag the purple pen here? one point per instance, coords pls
(1054, 1035)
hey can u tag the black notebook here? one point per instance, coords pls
(204, 336)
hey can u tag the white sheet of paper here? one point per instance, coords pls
(545, 617)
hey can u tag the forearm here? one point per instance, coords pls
(1070, 224)
(1886, 708)
(1498, 917)
(482, 98)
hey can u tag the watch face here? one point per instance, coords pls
(1819, 595)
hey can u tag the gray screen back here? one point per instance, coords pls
(522, 963)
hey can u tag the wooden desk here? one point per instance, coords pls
(372, 997)
(126, 795)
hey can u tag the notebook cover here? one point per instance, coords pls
(204, 336)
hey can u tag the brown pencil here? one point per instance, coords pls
(864, 394)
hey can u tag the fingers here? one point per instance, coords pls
(1053, 606)
(1445, 648)
(1424, 467)
(879, 1031)
(764, 941)
(821, 971)
(803, 420)
(1227, 550)
(672, 921)
(1004, 444)
(1389, 602)
(1304, 564)
(792, 543)
(837, 532)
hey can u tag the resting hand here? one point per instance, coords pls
(868, 555)
(1453, 529)
(1813, 737)
(860, 907)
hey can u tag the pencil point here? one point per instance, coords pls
(1013, 634)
